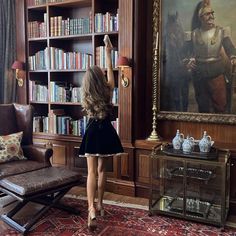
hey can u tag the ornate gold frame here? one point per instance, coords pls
(178, 116)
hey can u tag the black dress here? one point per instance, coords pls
(100, 139)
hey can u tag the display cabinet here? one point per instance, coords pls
(190, 187)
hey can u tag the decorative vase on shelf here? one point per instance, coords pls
(188, 145)
(205, 143)
(178, 140)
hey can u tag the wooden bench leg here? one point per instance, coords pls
(48, 200)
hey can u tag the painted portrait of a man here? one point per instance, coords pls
(198, 56)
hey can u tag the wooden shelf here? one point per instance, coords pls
(66, 103)
(70, 37)
(42, 39)
(37, 7)
(72, 3)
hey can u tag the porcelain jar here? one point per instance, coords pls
(205, 143)
(188, 145)
(178, 140)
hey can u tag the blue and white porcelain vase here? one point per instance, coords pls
(205, 143)
(178, 140)
(188, 145)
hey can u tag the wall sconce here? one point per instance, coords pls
(18, 65)
(123, 62)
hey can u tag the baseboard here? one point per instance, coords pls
(117, 186)
(142, 190)
(122, 187)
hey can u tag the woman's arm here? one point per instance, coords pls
(110, 74)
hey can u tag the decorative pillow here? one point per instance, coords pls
(10, 147)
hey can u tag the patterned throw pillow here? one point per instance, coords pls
(10, 147)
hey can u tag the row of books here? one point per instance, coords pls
(51, 1)
(38, 92)
(37, 29)
(39, 61)
(63, 124)
(57, 59)
(106, 22)
(61, 27)
(61, 92)
(61, 60)
(59, 124)
(101, 57)
(35, 2)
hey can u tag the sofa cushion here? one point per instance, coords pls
(10, 147)
(18, 167)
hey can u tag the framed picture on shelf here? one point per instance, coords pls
(196, 61)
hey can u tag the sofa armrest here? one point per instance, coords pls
(38, 153)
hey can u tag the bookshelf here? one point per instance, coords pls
(63, 38)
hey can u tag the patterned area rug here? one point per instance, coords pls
(118, 221)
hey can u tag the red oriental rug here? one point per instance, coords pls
(118, 221)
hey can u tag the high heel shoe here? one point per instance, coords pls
(92, 222)
(101, 211)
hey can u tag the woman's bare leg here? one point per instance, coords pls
(92, 163)
(101, 180)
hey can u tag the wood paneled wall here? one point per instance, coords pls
(20, 47)
(219, 133)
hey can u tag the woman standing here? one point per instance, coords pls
(100, 140)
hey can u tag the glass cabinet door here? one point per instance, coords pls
(204, 188)
(167, 185)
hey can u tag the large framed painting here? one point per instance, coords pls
(196, 60)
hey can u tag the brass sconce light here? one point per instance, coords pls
(122, 63)
(18, 66)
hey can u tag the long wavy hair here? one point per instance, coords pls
(96, 93)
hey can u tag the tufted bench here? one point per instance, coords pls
(45, 186)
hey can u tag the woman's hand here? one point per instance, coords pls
(110, 75)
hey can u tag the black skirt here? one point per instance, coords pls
(100, 139)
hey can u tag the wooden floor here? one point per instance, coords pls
(81, 191)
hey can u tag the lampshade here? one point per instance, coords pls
(17, 65)
(122, 62)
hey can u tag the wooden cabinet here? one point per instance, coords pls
(60, 151)
(143, 150)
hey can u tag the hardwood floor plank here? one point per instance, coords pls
(81, 191)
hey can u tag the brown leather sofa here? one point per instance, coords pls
(15, 118)
(32, 179)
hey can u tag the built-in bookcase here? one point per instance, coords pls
(64, 38)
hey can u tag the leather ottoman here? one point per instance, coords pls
(45, 186)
